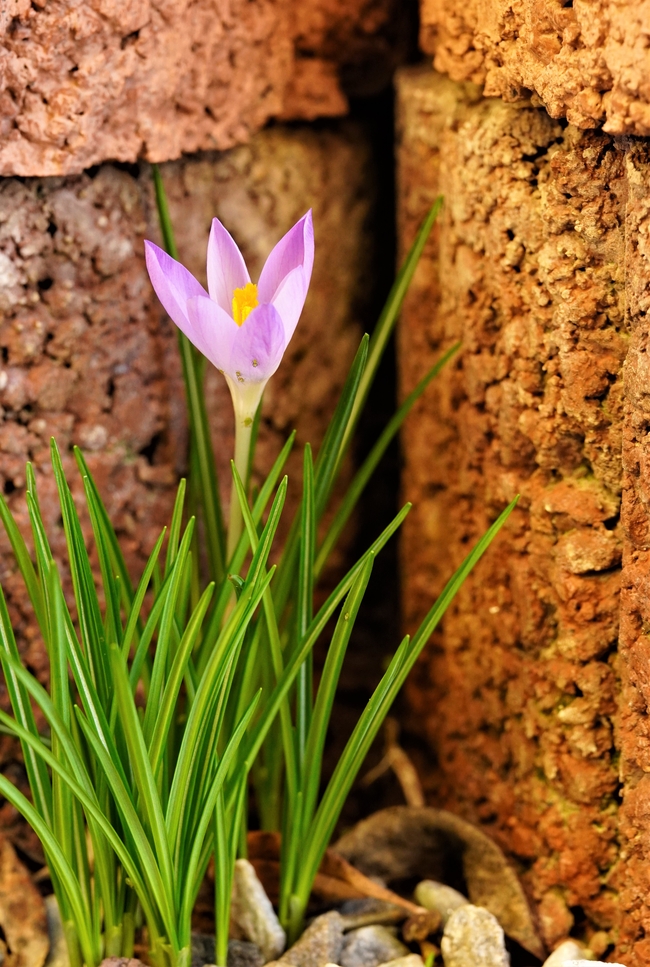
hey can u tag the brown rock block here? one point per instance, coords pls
(586, 61)
(86, 82)
(89, 357)
(541, 267)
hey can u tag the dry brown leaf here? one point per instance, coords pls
(395, 758)
(336, 867)
(22, 912)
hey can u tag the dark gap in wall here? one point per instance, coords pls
(377, 631)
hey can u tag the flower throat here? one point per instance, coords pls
(243, 302)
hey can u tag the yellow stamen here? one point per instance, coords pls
(243, 302)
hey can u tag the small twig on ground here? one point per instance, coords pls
(395, 758)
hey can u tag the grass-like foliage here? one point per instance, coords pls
(168, 704)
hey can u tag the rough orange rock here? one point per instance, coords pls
(586, 61)
(535, 715)
(88, 356)
(86, 82)
(632, 879)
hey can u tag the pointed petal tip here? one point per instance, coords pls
(308, 242)
(307, 222)
(225, 264)
(151, 249)
(294, 250)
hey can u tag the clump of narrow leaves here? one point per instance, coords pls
(167, 705)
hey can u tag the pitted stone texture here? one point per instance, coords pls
(367, 39)
(86, 82)
(567, 951)
(540, 266)
(586, 61)
(411, 960)
(440, 897)
(370, 946)
(89, 357)
(253, 914)
(473, 938)
(320, 944)
(632, 878)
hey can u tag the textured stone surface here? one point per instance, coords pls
(320, 944)
(86, 82)
(440, 897)
(590, 963)
(541, 266)
(23, 915)
(633, 732)
(473, 938)
(588, 60)
(88, 356)
(566, 951)
(411, 960)
(252, 912)
(370, 946)
(241, 953)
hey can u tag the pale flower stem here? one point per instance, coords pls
(243, 436)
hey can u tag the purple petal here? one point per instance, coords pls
(295, 249)
(258, 346)
(214, 329)
(226, 267)
(173, 285)
(289, 300)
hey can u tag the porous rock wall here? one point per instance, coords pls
(534, 694)
(88, 81)
(588, 60)
(89, 357)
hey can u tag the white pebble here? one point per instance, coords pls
(589, 963)
(473, 937)
(568, 950)
(253, 912)
(439, 897)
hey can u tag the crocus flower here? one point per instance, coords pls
(242, 328)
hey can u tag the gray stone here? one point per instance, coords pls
(569, 950)
(473, 937)
(371, 946)
(437, 896)
(243, 953)
(202, 949)
(320, 944)
(411, 960)
(253, 914)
